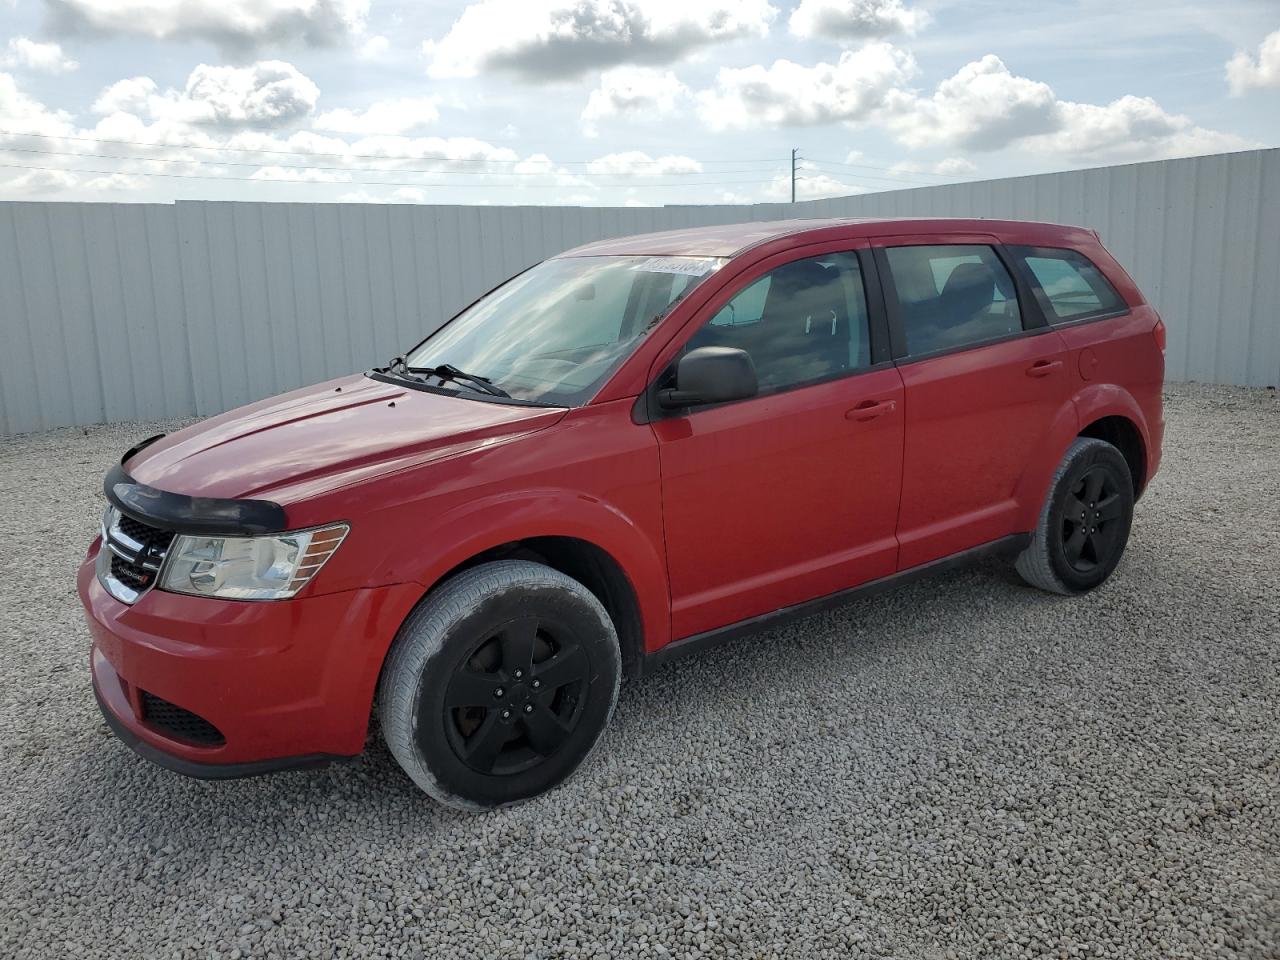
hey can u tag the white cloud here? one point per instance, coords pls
(813, 186)
(299, 174)
(546, 171)
(156, 131)
(267, 94)
(854, 19)
(1130, 129)
(955, 166)
(1244, 73)
(375, 48)
(131, 95)
(984, 107)
(789, 94)
(234, 25)
(949, 166)
(363, 196)
(557, 39)
(637, 162)
(635, 92)
(28, 115)
(39, 183)
(113, 182)
(25, 53)
(385, 116)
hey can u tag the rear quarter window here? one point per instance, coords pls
(1068, 284)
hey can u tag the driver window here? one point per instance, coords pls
(802, 322)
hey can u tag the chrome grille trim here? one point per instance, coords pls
(128, 567)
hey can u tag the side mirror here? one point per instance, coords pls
(711, 375)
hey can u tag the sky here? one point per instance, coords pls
(612, 102)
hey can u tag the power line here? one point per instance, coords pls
(361, 169)
(349, 156)
(867, 166)
(362, 183)
(867, 176)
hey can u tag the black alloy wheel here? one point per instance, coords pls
(499, 684)
(1084, 523)
(1092, 520)
(517, 698)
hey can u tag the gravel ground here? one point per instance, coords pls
(964, 768)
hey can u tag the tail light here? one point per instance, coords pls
(1160, 333)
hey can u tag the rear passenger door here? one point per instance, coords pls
(983, 375)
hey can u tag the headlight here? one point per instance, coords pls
(249, 568)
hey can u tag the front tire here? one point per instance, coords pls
(499, 684)
(1084, 524)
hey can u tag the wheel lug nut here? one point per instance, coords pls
(506, 714)
(499, 692)
(528, 708)
(536, 684)
(518, 674)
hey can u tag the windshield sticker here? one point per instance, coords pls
(686, 266)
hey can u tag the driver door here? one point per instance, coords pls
(792, 494)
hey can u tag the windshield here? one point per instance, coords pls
(554, 333)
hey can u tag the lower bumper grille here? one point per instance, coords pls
(173, 721)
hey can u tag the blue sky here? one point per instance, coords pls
(612, 101)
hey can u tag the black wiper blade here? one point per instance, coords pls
(447, 371)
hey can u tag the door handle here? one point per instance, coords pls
(1042, 368)
(870, 409)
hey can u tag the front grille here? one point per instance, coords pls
(173, 721)
(152, 537)
(132, 575)
(136, 551)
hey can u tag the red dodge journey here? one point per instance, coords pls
(632, 450)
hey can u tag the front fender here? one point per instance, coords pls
(482, 524)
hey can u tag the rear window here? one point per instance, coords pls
(1068, 284)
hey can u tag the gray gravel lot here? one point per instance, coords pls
(964, 768)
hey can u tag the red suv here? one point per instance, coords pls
(633, 450)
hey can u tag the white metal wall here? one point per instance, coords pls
(138, 311)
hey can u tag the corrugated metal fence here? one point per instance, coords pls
(137, 311)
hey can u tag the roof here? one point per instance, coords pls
(720, 240)
(730, 239)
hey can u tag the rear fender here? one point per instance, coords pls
(1033, 485)
(1092, 402)
(1100, 400)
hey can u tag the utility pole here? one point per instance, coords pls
(793, 174)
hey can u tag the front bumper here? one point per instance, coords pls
(287, 684)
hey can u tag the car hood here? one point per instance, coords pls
(325, 436)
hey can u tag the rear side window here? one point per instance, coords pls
(952, 296)
(1068, 284)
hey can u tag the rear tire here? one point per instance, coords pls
(1084, 524)
(499, 684)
